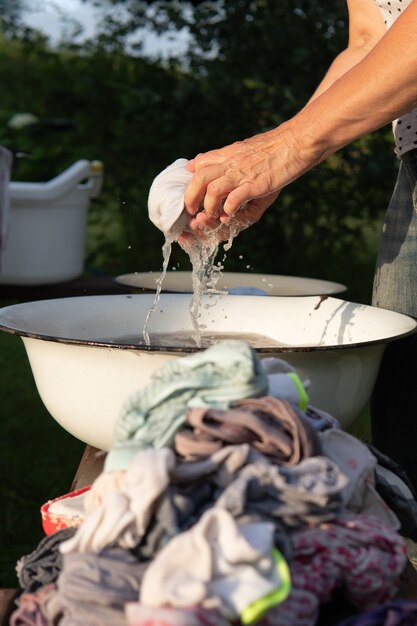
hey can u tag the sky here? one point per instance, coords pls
(48, 17)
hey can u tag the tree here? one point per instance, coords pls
(10, 14)
(248, 66)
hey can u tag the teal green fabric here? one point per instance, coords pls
(224, 373)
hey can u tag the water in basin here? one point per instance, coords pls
(185, 340)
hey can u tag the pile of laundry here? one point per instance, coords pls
(226, 498)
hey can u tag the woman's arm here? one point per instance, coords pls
(376, 91)
(366, 27)
(369, 95)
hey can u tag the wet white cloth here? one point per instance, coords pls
(166, 198)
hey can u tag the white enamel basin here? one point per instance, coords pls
(84, 377)
(271, 284)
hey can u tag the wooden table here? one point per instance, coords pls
(91, 465)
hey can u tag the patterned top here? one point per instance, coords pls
(405, 128)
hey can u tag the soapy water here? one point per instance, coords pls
(204, 276)
(185, 339)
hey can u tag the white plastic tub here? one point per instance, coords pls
(47, 226)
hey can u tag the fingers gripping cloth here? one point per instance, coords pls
(166, 198)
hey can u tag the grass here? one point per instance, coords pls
(38, 458)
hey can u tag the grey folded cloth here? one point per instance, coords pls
(93, 589)
(44, 564)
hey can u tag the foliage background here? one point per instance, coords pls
(249, 66)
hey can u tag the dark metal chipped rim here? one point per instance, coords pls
(190, 349)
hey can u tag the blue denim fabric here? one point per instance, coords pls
(393, 402)
(395, 283)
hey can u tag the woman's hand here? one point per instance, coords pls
(244, 172)
(202, 226)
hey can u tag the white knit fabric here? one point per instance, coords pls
(166, 198)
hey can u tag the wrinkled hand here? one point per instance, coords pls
(225, 179)
(203, 226)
